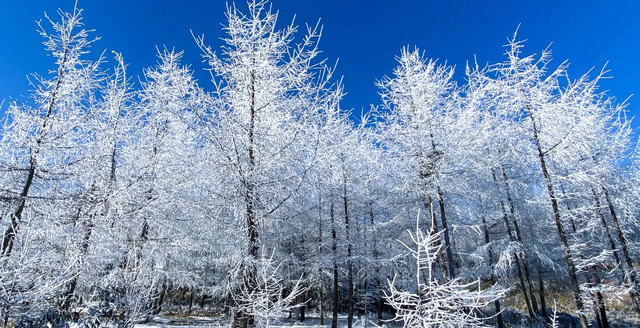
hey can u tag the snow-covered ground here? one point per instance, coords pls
(618, 319)
(310, 321)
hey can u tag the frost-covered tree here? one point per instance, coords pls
(133, 196)
(44, 140)
(431, 302)
(417, 101)
(268, 92)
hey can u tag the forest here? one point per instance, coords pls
(509, 199)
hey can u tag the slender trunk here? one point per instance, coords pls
(334, 248)
(603, 310)
(252, 230)
(596, 314)
(445, 226)
(320, 273)
(190, 302)
(379, 300)
(600, 312)
(543, 303)
(534, 303)
(634, 293)
(492, 277)
(612, 244)
(564, 194)
(447, 240)
(16, 216)
(625, 250)
(558, 220)
(320, 302)
(600, 306)
(160, 302)
(302, 297)
(242, 319)
(434, 228)
(516, 258)
(84, 249)
(523, 256)
(349, 250)
(144, 236)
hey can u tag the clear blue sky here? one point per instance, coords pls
(364, 35)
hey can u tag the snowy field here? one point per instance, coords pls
(618, 319)
(310, 321)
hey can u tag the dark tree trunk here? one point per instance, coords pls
(625, 250)
(378, 300)
(242, 319)
(600, 306)
(16, 216)
(606, 228)
(600, 312)
(558, 220)
(301, 314)
(190, 301)
(320, 272)
(447, 240)
(84, 249)
(596, 314)
(160, 301)
(525, 261)
(516, 258)
(252, 230)
(349, 262)
(543, 303)
(334, 248)
(320, 303)
(492, 278)
(434, 229)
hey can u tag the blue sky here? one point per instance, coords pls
(364, 35)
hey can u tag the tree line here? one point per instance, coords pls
(259, 185)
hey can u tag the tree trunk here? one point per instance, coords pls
(596, 314)
(334, 247)
(434, 228)
(556, 214)
(84, 249)
(16, 216)
(492, 278)
(349, 262)
(447, 240)
(252, 230)
(240, 318)
(600, 312)
(301, 311)
(379, 300)
(543, 303)
(606, 229)
(320, 303)
(302, 297)
(320, 285)
(516, 258)
(600, 306)
(625, 250)
(160, 302)
(523, 256)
